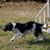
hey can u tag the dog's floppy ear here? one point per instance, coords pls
(10, 26)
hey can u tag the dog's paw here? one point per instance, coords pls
(11, 40)
(35, 40)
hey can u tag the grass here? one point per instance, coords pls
(27, 42)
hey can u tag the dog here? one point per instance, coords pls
(21, 29)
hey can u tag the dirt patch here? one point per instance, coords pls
(23, 9)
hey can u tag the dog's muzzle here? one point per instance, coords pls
(4, 29)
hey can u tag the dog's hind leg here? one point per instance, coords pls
(39, 37)
(44, 36)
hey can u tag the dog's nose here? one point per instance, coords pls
(3, 28)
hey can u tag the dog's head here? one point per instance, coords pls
(8, 27)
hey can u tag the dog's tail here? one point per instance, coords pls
(44, 27)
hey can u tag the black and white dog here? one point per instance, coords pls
(20, 29)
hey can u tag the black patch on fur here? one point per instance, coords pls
(24, 27)
(38, 29)
(8, 27)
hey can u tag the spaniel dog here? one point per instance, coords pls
(21, 29)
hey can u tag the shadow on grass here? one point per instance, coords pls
(46, 42)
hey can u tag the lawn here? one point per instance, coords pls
(25, 43)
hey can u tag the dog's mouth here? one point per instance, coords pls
(4, 29)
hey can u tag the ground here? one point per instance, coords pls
(20, 13)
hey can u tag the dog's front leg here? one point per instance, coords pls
(19, 35)
(13, 37)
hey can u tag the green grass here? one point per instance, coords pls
(26, 43)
